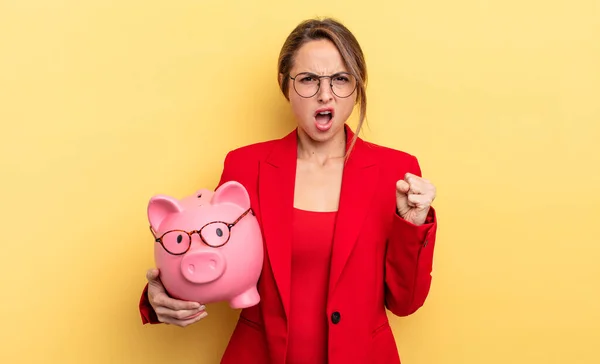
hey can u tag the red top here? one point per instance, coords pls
(312, 239)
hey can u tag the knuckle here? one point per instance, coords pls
(156, 300)
(160, 301)
(160, 312)
(181, 314)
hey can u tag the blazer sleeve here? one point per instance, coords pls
(147, 313)
(146, 310)
(409, 260)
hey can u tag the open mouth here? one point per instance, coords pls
(323, 119)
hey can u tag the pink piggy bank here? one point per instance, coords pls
(209, 246)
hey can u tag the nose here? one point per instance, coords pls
(325, 93)
(203, 266)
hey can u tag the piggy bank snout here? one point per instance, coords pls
(203, 266)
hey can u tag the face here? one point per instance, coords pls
(322, 116)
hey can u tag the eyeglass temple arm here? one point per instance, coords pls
(239, 218)
(153, 234)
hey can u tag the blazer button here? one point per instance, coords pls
(336, 317)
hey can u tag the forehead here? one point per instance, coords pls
(318, 56)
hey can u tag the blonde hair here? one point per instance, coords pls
(347, 45)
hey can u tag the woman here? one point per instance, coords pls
(348, 225)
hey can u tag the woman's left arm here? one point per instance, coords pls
(409, 254)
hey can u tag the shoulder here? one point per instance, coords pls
(398, 160)
(251, 152)
(384, 151)
(242, 163)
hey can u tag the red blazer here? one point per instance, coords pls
(379, 260)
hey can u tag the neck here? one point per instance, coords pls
(321, 152)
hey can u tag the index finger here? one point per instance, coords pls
(409, 175)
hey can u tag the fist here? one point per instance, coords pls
(414, 196)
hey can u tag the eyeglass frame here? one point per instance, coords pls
(319, 85)
(199, 232)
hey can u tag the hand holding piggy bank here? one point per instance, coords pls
(208, 247)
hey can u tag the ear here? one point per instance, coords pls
(232, 192)
(286, 92)
(159, 207)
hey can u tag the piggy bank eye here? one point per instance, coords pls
(215, 234)
(176, 242)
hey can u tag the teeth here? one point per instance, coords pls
(325, 113)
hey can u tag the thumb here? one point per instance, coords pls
(402, 187)
(152, 275)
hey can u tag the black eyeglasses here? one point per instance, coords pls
(214, 234)
(307, 84)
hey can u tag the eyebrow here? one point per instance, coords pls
(321, 74)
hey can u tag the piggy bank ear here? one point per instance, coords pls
(232, 192)
(160, 207)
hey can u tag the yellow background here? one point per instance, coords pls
(105, 103)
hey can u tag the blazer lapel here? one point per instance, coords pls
(276, 181)
(358, 184)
